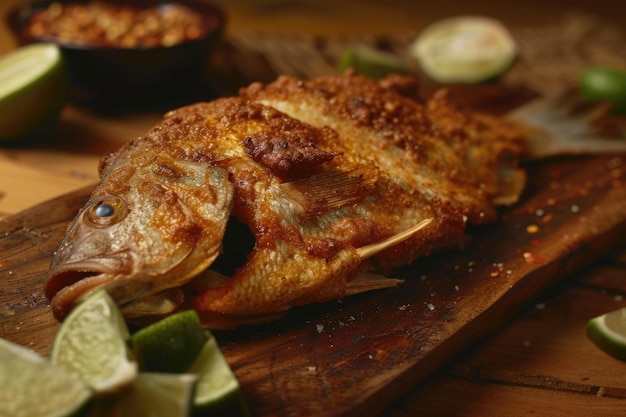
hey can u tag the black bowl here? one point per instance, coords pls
(104, 73)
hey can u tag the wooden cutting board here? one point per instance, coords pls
(354, 357)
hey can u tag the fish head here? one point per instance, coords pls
(152, 224)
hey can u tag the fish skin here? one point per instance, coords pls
(315, 169)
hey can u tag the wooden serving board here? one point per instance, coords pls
(354, 357)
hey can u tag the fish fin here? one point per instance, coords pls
(206, 280)
(368, 282)
(370, 250)
(563, 124)
(331, 190)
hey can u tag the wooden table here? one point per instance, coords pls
(539, 364)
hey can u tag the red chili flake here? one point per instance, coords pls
(532, 258)
(547, 218)
(5, 262)
(536, 242)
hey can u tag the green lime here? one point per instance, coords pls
(170, 344)
(608, 332)
(465, 49)
(152, 395)
(91, 345)
(371, 62)
(33, 89)
(32, 387)
(607, 84)
(217, 390)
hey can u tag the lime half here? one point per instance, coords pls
(91, 345)
(608, 332)
(31, 387)
(170, 344)
(464, 49)
(217, 389)
(33, 89)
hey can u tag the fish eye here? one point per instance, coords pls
(105, 212)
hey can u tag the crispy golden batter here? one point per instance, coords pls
(321, 172)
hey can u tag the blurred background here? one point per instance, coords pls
(376, 16)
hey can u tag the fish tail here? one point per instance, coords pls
(566, 124)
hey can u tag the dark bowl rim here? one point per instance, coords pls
(18, 16)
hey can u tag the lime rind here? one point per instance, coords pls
(371, 62)
(32, 387)
(170, 344)
(464, 49)
(605, 84)
(91, 345)
(608, 333)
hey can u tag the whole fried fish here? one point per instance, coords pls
(336, 181)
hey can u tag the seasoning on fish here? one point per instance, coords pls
(336, 181)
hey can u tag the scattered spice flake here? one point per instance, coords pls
(532, 228)
(551, 201)
(539, 212)
(494, 274)
(547, 218)
(574, 208)
(403, 307)
(535, 242)
(532, 258)
(430, 306)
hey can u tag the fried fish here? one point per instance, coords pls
(336, 181)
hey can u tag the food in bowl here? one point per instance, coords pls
(105, 24)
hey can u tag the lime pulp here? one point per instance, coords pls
(31, 387)
(91, 345)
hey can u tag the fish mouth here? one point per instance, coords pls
(69, 284)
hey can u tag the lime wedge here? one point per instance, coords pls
(465, 49)
(151, 395)
(371, 62)
(217, 390)
(608, 332)
(31, 387)
(91, 345)
(33, 89)
(605, 84)
(169, 345)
